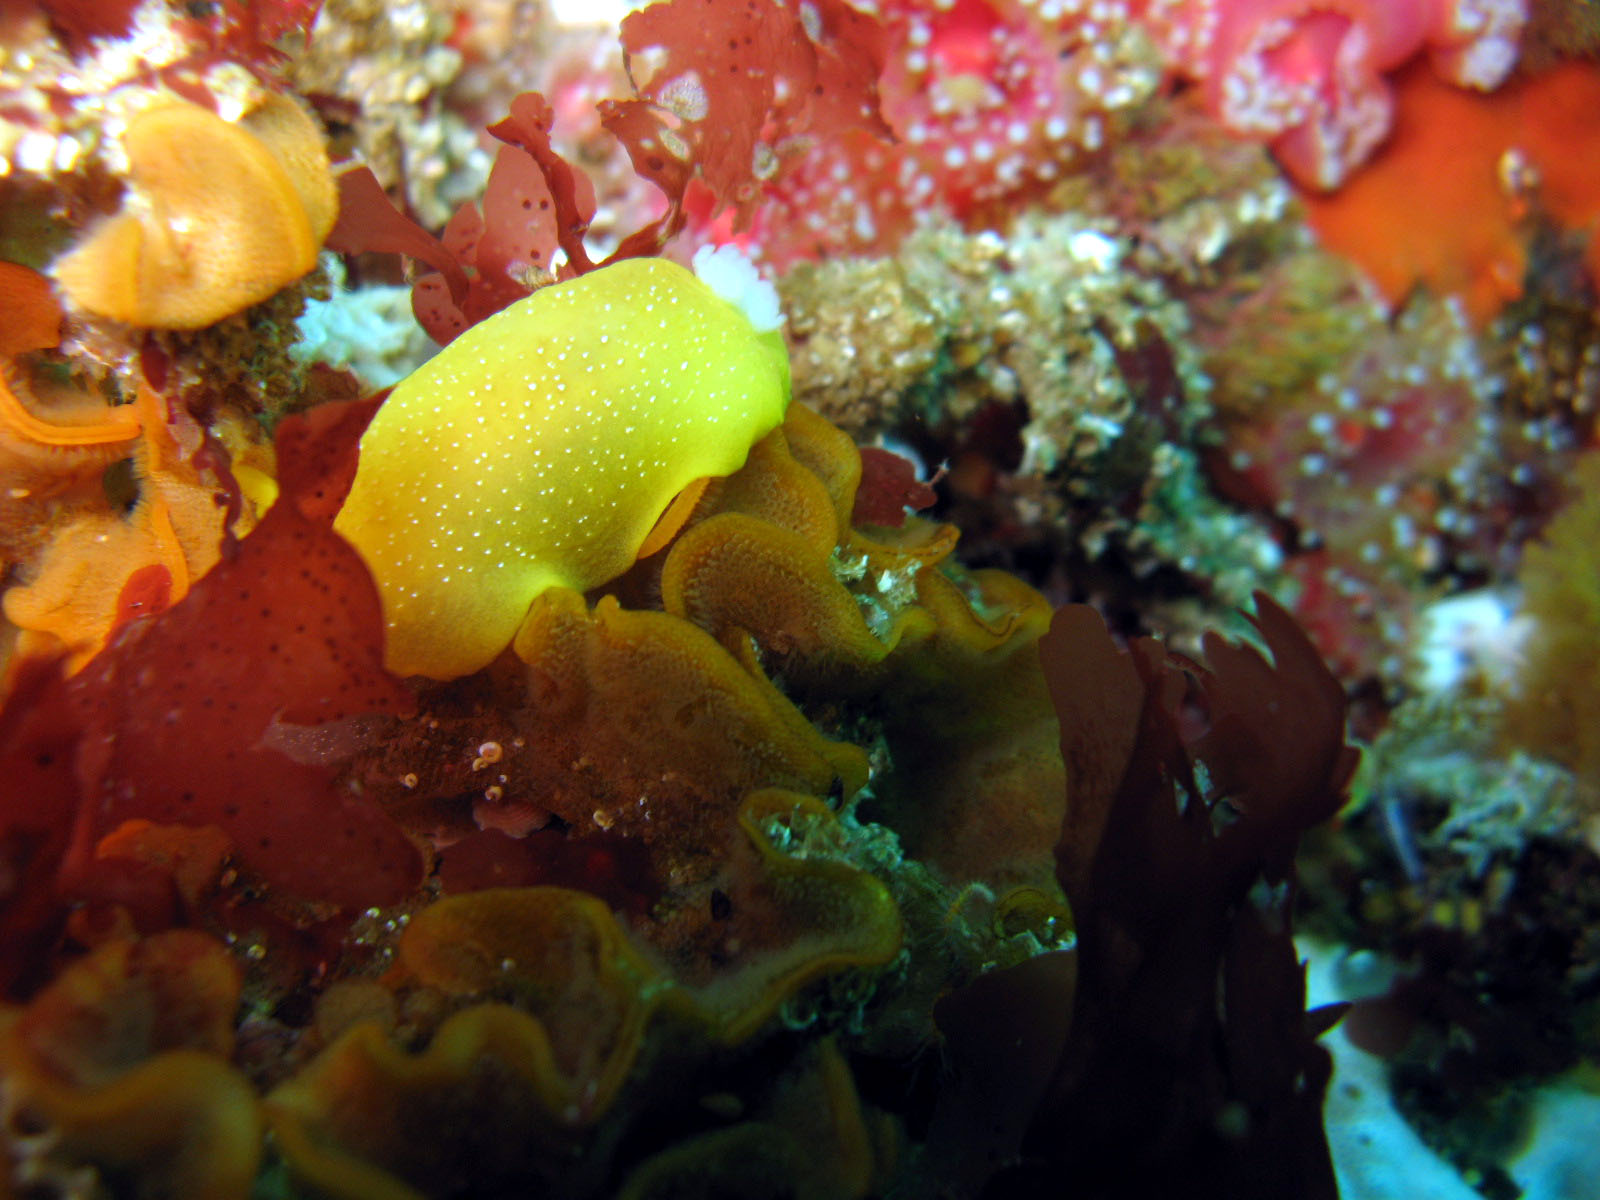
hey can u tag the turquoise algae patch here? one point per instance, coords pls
(541, 446)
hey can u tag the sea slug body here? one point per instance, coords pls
(541, 447)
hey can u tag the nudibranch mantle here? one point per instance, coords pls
(541, 446)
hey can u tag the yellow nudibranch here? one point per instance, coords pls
(540, 448)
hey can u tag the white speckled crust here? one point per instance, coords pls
(539, 448)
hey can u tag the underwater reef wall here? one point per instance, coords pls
(767, 601)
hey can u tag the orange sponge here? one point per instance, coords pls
(219, 215)
(1434, 206)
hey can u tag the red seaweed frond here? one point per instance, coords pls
(181, 721)
(889, 486)
(527, 127)
(1191, 785)
(249, 30)
(727, 92)
(734, 89)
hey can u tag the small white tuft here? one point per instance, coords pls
(1094, 249)
(1472, 637)
(730, 274)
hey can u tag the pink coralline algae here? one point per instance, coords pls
(1309, 75)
